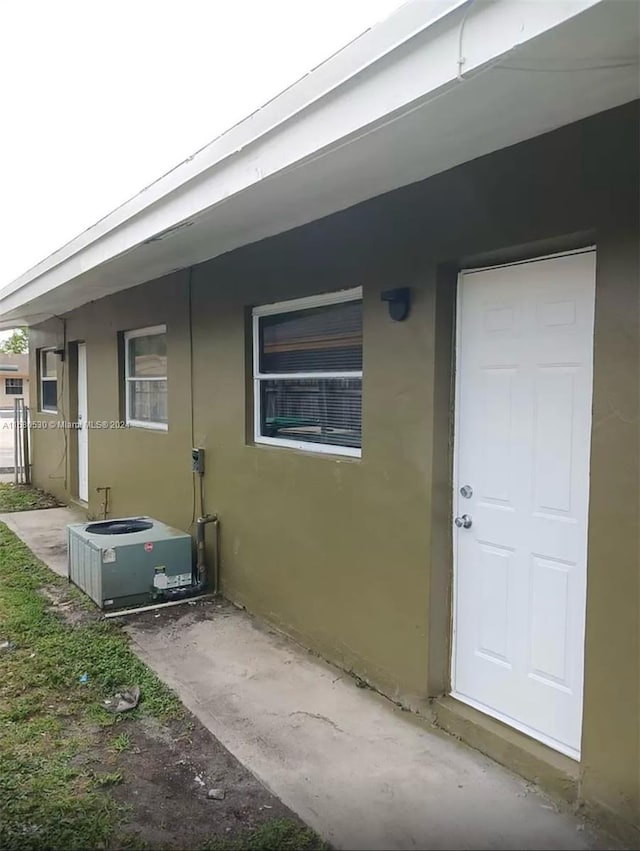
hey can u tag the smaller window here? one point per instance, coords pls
(13, 386)
(146, 377)
(48, 381)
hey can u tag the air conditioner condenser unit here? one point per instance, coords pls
(129, 561)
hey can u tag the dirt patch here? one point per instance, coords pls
(167, 772)
(67, 604)
(200, 609)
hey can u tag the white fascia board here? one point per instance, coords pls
(409, 58)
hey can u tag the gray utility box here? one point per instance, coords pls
(129, 561)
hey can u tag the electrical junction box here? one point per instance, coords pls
(129, 561)
(197, 461)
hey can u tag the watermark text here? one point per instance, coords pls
(48, 425)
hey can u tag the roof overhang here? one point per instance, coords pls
(439, 83)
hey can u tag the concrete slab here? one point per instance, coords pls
(354, 766)
(44, 532)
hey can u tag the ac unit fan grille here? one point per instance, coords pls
(119, 527)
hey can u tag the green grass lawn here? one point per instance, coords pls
(24, 498)
(49, 797)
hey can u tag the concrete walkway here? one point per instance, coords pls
(360, 771)
(44, 532)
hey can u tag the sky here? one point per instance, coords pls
(100, 98)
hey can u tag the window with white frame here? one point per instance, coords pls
(48, 368)
(146, 377)
(307, 373)
(13, 386)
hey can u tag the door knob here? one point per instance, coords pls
(463, 522)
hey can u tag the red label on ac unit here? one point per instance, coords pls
(148, 546)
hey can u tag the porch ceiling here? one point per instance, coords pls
(387, 111)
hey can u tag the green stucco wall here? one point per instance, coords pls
(353, 556)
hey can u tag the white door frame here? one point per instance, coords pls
(82, 433)
(452, 505)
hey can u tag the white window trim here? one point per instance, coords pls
(131, 335)
(44, 378)
(353, 294)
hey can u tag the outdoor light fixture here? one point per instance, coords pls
(399, 301)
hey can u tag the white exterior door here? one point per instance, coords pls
(522, 443)
(83, 434)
